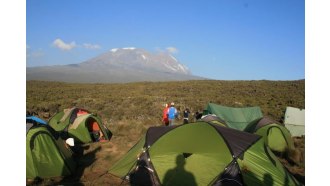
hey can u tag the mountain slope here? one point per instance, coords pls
(116, 66)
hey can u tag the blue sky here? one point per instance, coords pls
(218, 39)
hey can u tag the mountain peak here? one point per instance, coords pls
(136, 58)
(127, 64)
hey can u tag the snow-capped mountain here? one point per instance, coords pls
(117, 65)
(139, 59)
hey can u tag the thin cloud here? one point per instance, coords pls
(91, 46)
(64, 46)
(37, 53)
(33, 53)
(172, 50)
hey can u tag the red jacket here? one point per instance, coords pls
(165, 117)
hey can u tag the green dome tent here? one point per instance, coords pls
(250, 119)
(194, 154)
(261, 167)
(276, 136)
(47, 154)
(79, 125)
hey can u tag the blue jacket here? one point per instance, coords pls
(172, 112)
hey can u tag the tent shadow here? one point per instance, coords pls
(179, 175)
(268, 180)
(83, 161)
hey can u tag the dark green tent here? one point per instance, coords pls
(236, 118)
(78, 126)
(192, 154)
(47, 155)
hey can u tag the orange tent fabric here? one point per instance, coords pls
(94, 127)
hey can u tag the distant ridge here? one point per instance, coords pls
(119, 65)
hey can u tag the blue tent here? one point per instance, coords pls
(33, 119)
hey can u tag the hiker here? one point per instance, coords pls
(172, 114)
(186, 113)
(165, 117)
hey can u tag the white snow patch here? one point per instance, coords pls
(144, 57)
(170, 67)
(183, 68)
(174, 58)
(114, 49)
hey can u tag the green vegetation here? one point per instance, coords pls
(144, 101)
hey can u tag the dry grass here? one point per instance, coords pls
(295, 160)
(130, 109)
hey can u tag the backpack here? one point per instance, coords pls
(172, 112)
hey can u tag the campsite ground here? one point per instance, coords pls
(128, 110)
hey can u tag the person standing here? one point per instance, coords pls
(172, 114)
(186, 113)
(198, 116)
(165, 116)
